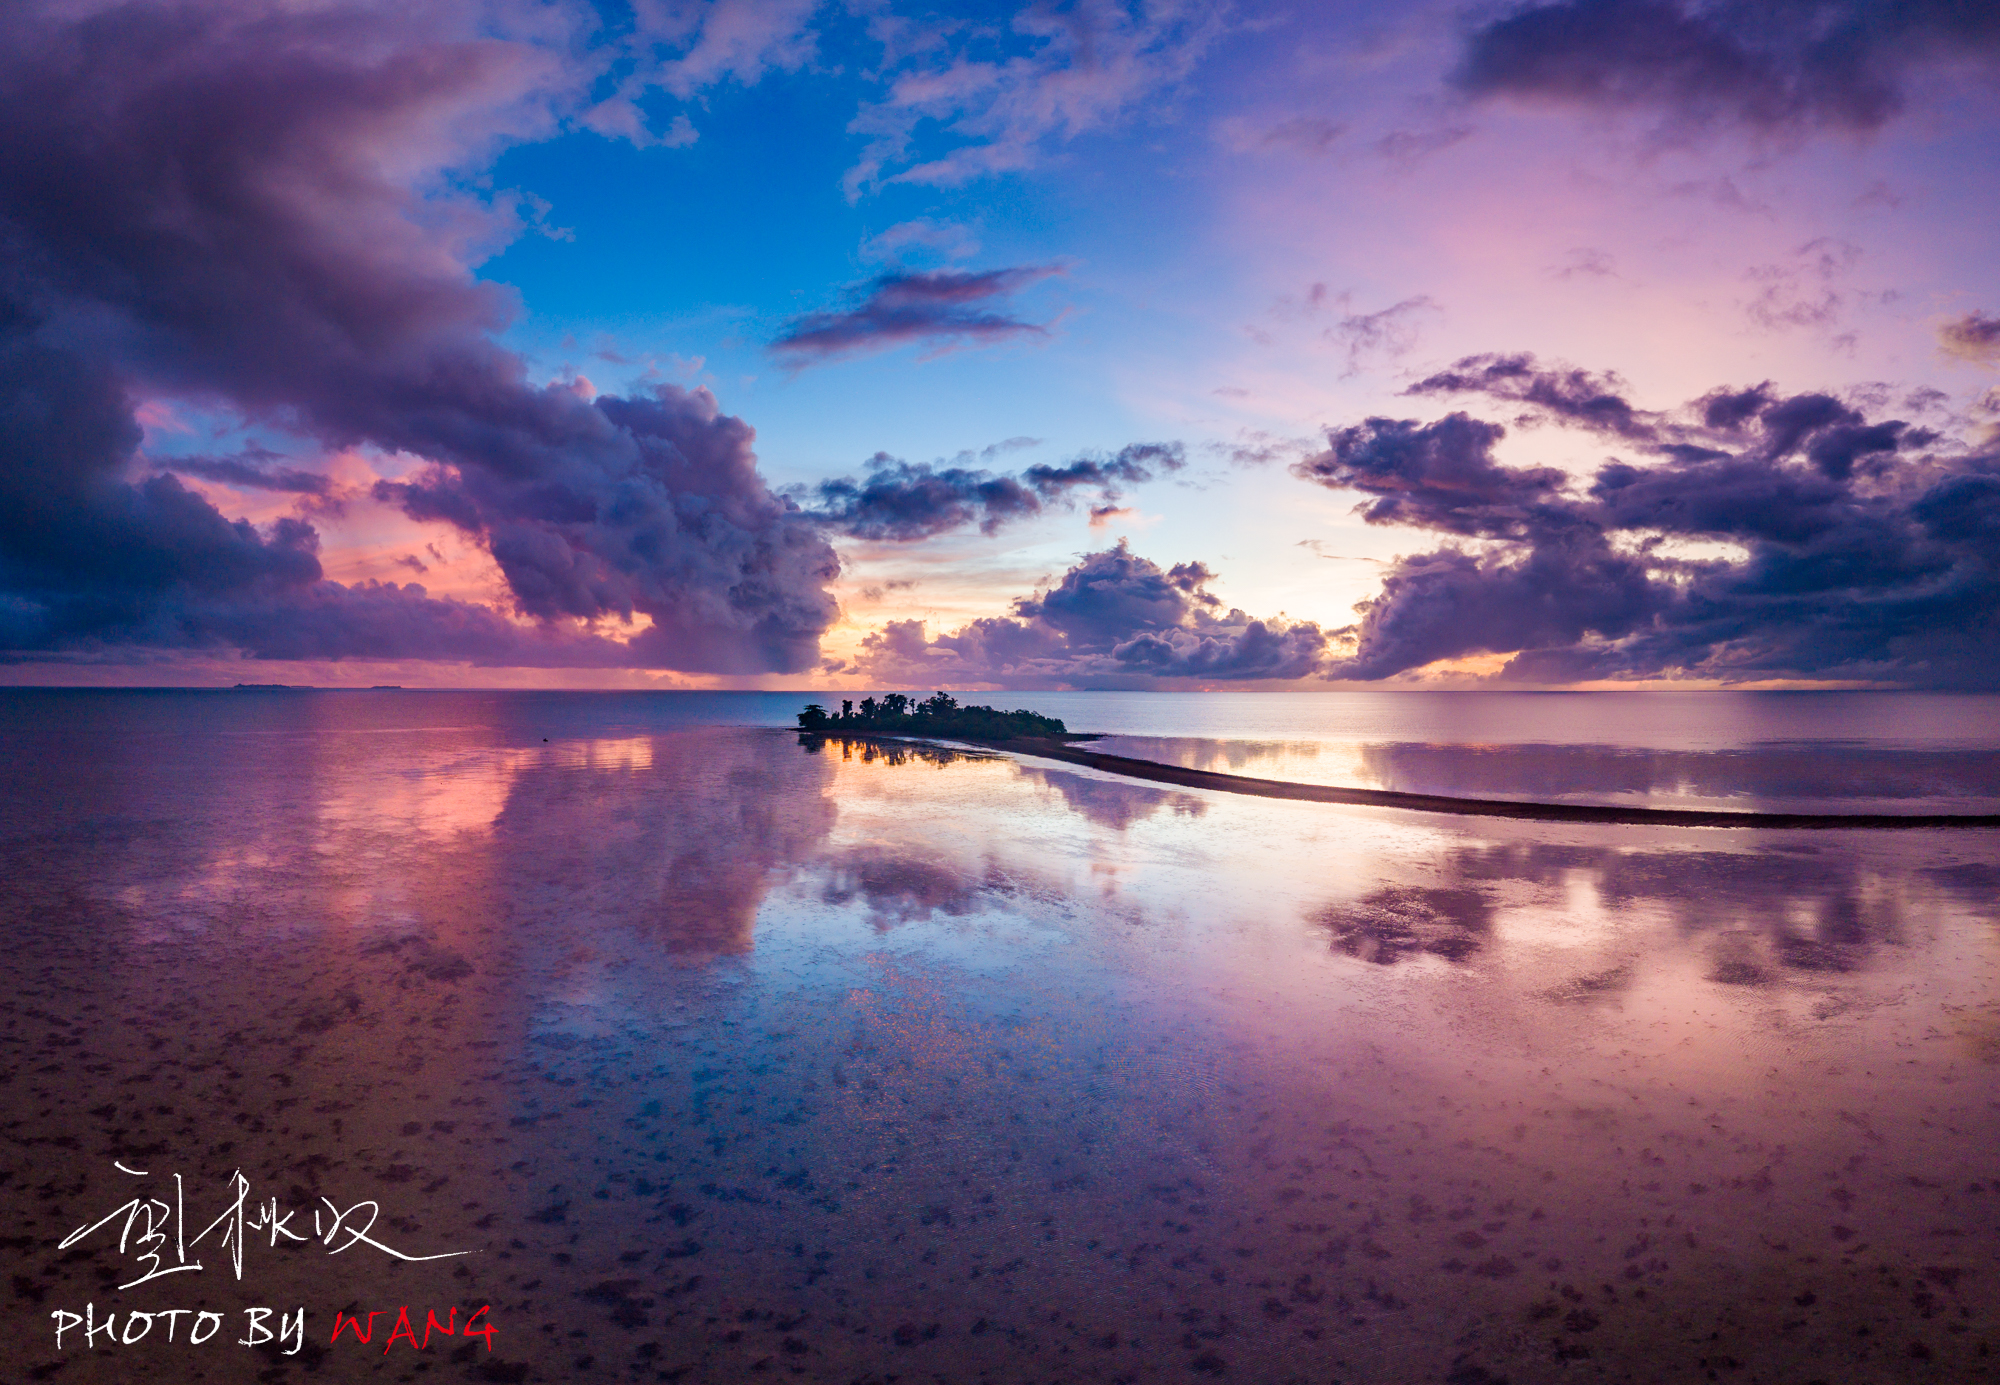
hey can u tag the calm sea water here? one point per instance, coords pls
(724, 1056)
(1834, 752)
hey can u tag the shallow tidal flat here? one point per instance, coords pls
(731, 1058)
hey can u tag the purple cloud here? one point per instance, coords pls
(1564, 393)
(1854, 548)
(1115, 620)
(1974, 337)
(1782, 64)
(1436, 476)
(1834, 435)
(1390, 331)
(250, 470)
(940, 308)
(904, 501)
(222, 202)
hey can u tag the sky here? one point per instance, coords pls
(767, 343)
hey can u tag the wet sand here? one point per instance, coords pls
(730, 1058)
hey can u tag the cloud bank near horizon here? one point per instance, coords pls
(1768, 536)
(1114, 620)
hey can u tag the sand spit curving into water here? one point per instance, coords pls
(1185, 777)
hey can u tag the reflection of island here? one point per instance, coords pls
(1108, 802)
(870, 750)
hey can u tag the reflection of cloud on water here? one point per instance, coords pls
(1736, 960)
(1977, 883)
(680, 844)
(437, 798)
(1113, 803)
(1591, 985)
(1797, 911)
(708, 903)
(900, 888)
(1398, 920)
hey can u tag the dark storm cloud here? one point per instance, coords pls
(1727, 410)
(1770, 536)
(90, 561)
(1114, 620)
(905, 501)
(1772, 65)
(942, 307)
(199, 201)
(381, 620)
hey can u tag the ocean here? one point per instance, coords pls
(694, 1051)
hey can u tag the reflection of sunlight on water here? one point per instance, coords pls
(361, 813)
(465, 794)
(605, 755)
(1571, 915)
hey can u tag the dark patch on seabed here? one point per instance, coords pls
(731, 1061)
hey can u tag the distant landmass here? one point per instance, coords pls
(938, 715)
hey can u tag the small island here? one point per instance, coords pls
(898, 714)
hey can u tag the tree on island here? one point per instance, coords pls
(937, 715)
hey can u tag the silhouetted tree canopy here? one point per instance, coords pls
(937, 715)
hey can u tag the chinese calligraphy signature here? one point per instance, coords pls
(154, 1230)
